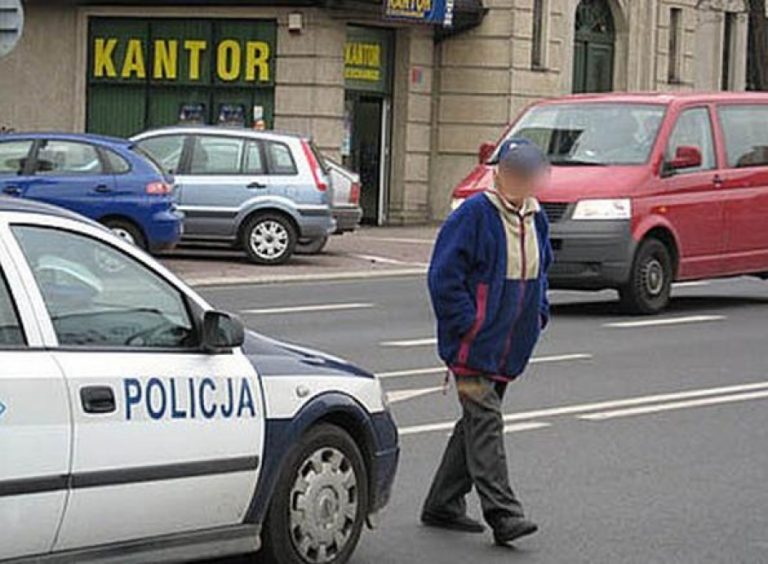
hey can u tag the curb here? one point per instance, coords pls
(323, 277)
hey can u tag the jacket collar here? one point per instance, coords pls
(530, 205)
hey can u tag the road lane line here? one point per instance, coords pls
(517, 427)
(600, 406)
(405, 395)
(307, 308)
(442, 369)
(399, 240)
(410, 343)
(600, 416)
(387, 260)
(665, 321)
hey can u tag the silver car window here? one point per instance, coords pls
(216, 155)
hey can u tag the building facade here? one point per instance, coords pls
(405, 101)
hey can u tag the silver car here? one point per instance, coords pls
(261, 191)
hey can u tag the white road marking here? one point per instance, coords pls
(675, 405)
(692, 284)
(516, 428)
(387, 260)
(665, 321)
(307, 308)
(410, 343)
(442, 369)
(600, 406)
(405, 395)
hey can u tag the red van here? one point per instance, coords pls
(647, 189)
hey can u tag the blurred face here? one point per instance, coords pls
(518, 186)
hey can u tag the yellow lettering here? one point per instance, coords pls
(257, 61)
(166, 59)
(195, 49)
(103, 64)
(228, 60)
(134, 60)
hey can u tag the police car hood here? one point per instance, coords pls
(275, 358)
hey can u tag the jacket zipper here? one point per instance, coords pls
(521, 296)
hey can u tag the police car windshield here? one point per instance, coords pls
(97, 296)
(592, 134)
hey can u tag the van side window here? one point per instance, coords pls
(11, 334)
(693, 129)
(746, 134)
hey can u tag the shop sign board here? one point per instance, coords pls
(367, 59)
(436, 12)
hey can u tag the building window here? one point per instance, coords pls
(540, 33)
(674, 54)
(729, 36)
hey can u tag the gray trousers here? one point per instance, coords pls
(475, 456)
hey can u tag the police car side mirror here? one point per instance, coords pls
(221, 332)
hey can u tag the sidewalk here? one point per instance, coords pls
(369, 252)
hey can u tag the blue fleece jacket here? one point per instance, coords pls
(488, 284)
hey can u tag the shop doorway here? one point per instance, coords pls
(594, 47)
(367, 153)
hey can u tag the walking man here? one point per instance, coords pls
(488, 284)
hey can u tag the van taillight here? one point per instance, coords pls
(159, 188)
(314, 166)
(354, 193)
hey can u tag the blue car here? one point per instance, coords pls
(106, 179)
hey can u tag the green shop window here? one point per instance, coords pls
(145, 73)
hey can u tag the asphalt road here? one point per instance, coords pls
(639, 440)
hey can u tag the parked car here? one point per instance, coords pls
(261, 191)
(138, 424)
(345, 207)
(647, 189)
(103, 178)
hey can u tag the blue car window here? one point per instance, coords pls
(98, 297)
(13, 156)
(117, 164)
(56, 157)
(11, 334)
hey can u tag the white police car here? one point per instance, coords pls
(139, 425)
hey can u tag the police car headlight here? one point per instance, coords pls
(603, 209)
(456, 202)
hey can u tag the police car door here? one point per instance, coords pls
(34, 426)
(166, 438)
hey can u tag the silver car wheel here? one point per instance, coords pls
(324, 505)
(269, 240)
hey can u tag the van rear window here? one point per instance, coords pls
(745, 128)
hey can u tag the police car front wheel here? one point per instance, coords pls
(320, 503)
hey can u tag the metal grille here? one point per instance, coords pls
(555, 211)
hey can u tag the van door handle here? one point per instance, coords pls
(97, 399)
(12, 191)
(102, 189)
(717, 181)
(256, 185)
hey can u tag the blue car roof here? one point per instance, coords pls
(92, 137)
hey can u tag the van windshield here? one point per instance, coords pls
(592, 134)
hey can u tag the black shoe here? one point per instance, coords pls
(461, 523)
(511, 529)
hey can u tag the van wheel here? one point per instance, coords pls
(312, 247)
(126, 231)
(318, 508)
(650, 281)
(269, 238)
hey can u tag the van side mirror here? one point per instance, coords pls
(686, 156)
(221, 332)
(484, 152)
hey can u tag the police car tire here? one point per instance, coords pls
(278, 546)
(265, 218)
